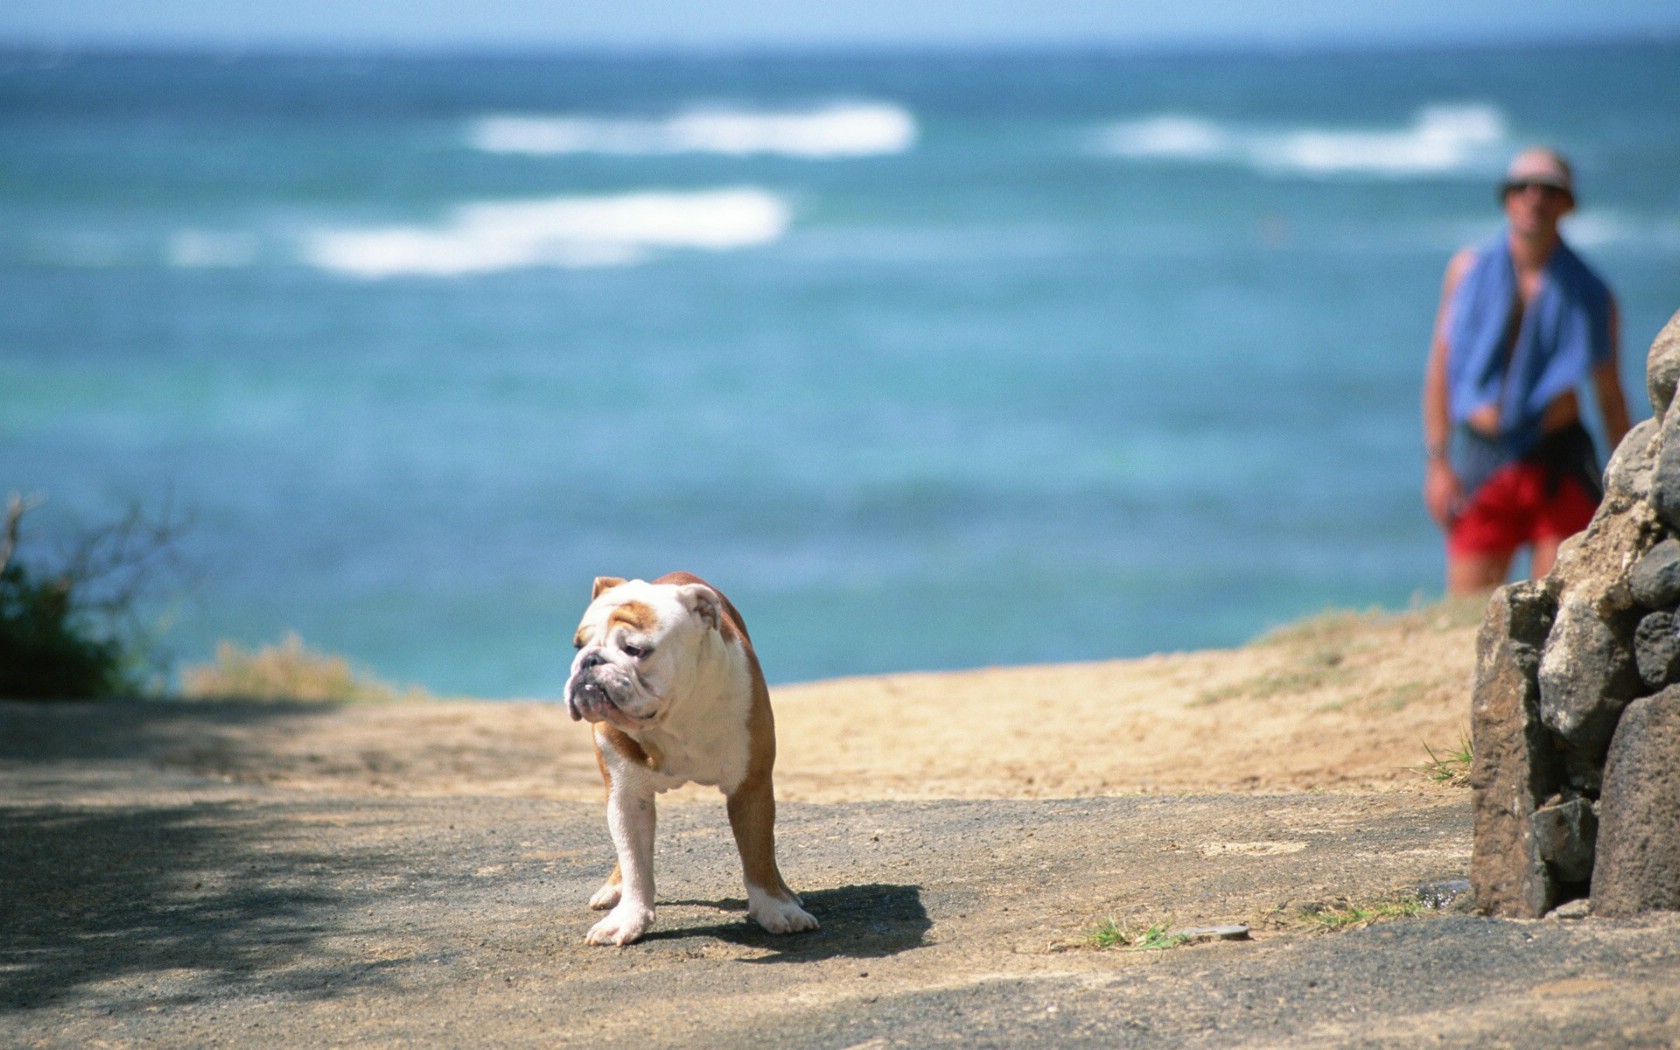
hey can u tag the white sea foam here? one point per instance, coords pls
(1461, 138)
(561, 232)
(831, 132)
(1598, 228)
(201, 249)
(1170, 136)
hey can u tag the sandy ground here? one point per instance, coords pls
(239, 874)
(1341, 703)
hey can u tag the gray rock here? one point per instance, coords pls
(1662, 366)
(1627, 478)
(1655, 577)
(1556, 714)
(1448, 893)
(1515, 765)
(1638, 863)
(1593, 565)
(1587, 676)
(1656, 649)
(1565, 834)
(1664, 484)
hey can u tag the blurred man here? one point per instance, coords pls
(1522, 327)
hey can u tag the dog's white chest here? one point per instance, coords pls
(714, 751)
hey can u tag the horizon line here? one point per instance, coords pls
(1188, 45)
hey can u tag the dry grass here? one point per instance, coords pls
(287, 671)
(1339, 915)
(1330, 654)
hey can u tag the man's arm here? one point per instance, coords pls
(1441, 488)
(1607, 383)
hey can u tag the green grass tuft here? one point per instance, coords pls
(1451, 769)
(1348, 915)
(1127, 937)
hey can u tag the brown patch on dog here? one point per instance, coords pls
(752, 808)
(638, 616)
(624, 744)
(732, 627)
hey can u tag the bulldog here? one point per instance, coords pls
(667, 675)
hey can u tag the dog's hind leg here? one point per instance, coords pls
(752, 816)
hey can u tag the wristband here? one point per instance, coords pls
(1434, 450)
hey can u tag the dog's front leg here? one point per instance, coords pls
(631, 819)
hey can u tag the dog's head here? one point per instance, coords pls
(637, 648)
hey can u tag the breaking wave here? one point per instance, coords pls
(1440, 140)
(827, 133)
(575, 232)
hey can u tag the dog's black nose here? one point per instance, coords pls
(592, 658)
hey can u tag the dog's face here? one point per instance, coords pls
(636, 650)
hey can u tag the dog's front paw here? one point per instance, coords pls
(625, 924)
(778, 914)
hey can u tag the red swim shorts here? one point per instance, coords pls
(1512, 509)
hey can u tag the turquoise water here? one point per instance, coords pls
(929, 361)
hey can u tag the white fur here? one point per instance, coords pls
(699, 731)
(631, 821)
(688, 704)
(777, 915)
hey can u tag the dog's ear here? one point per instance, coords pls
(603, 584)
(704, 602)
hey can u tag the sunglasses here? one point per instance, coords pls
(1546, 189)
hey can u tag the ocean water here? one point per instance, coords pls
(928, 360)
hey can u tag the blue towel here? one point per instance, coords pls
(1564, 333)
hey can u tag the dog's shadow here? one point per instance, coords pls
(858, 922)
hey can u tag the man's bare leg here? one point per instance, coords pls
(1475, 573)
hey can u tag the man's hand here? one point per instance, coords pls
(1442, 493)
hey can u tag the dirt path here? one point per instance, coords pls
(414, 875)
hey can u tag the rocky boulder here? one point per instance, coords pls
(1575, 712)
(1638, 849)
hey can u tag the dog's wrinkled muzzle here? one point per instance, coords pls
(586, 694)
(584, 699)
(589, 698)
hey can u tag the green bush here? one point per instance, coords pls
(71, 633)
(46, 651)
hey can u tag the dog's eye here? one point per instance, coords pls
(636, 652)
